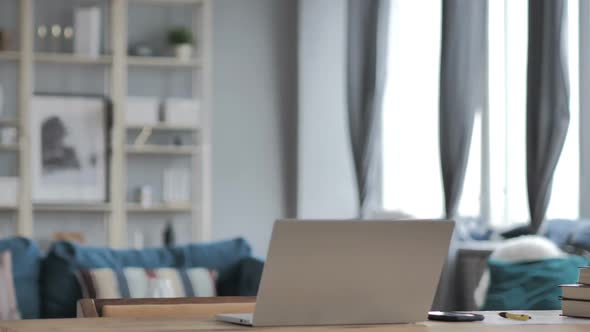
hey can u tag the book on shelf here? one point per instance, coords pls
(575, 308)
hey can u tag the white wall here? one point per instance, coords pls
(326, 175)
(254, 125)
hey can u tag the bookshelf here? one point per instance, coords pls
(9, 55)
(68, 58)
(162, 62)
(116, 67)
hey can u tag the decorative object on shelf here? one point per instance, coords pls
(4, 40)
(42, 35)
(182, 111)
(177, 185)
(69, 148)
(8, 135)
(144, 196)
(143, 136)
(87, 28)
(9, 190)
(141, 49)
(177, 140)
(168, 235)
(68, 38)
(55, 38)
(142, 111)
(182, 40)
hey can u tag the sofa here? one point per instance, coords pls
(46, 285)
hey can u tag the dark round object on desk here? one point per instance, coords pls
(450, 316)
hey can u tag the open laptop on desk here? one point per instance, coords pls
(349, 272)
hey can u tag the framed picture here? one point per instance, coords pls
(69, 149)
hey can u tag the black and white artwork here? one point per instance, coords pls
(68, 149)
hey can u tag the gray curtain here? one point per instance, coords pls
(366, 58)
(547, 101)
(462, 89)
(463, 85)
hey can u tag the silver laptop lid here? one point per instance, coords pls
(351, 272)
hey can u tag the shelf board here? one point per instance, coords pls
(163, 127)
(169, 2)
(161, 150)
(9, 55)
(9, 122)
(72, 58)
(161, 61)
(159, 208)
(82, 207)
(9, 147)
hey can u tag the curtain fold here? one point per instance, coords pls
(463, 85)
(366, 59)
(547, 101)
(462, 89)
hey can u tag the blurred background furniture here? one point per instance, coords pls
(42, 59)
(525, 273)
(46, 285)
(572, 236)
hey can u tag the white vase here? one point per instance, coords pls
(183, 51)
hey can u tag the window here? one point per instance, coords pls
(565, 201)
(495, 187)
(411, 177)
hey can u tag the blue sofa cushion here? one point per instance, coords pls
(61, 291)
(26, 262)
(250, 275)
(245, 279)
(560, 230)
(581, 237)
(570, 235)
(530, 285)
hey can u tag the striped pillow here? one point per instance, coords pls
(134, 282)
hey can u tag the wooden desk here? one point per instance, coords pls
(543, 321)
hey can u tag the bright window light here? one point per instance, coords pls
(565, 202)
(411, 177)
(495, 179)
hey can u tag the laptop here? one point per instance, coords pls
(349, 272)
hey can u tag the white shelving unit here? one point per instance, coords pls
(162, 62)
(162, 150)
(161, 208)
(9, 147)
(116, 65)
(71, 59)
(73, 207)
(8, 122)
(9, 55)
(164, 126)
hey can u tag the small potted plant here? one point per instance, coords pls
(182, 40)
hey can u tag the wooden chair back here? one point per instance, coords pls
(184, 307)
(75, 237)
